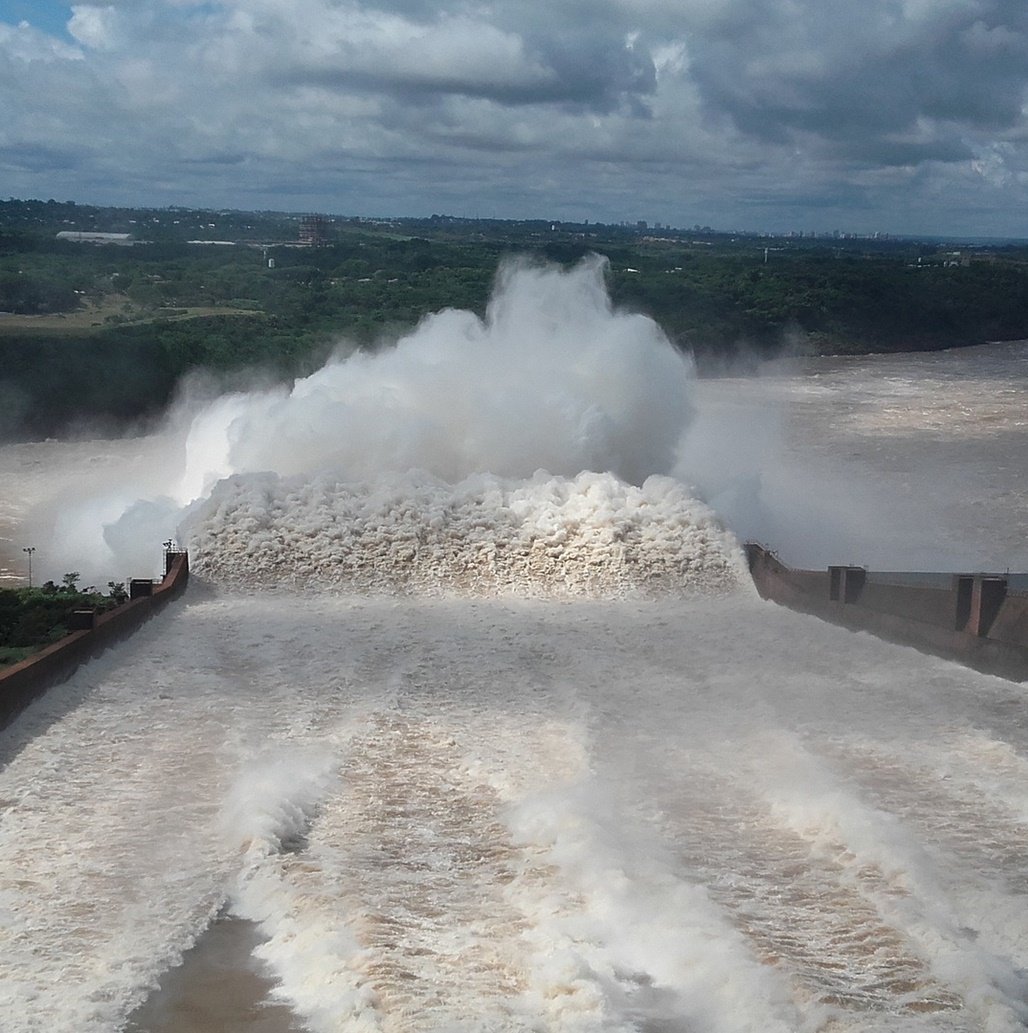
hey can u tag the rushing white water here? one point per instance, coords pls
(590, 536)
(470, 809)
(448, 814)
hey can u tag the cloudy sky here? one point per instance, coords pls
(904, 116)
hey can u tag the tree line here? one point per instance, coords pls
(164, 307)
(32, 618)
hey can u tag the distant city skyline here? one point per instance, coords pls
(905, 117)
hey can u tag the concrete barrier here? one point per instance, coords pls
(91, 633)
(980, 620)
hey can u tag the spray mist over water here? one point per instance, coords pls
(501, 416)
(552, 379)
(905, 462)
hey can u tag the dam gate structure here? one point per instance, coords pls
(89, 634)
(977, 619)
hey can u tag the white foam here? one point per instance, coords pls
(618, 931)
(592, 535)
(455, 814)
(887, 859)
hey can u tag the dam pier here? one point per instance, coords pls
(977, 619)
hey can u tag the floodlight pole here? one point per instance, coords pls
(30, 550)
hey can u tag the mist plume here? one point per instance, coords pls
(552, 382)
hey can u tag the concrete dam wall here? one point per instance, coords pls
(977, 619)
(91, 634)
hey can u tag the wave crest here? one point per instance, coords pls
(588, 536)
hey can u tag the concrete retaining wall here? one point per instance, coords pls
(23, 682)
(977, 619)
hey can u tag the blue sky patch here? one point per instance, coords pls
(49, 15)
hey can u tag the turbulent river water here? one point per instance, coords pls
(606, 809)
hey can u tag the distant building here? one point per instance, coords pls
(313, 230)
(125, 239)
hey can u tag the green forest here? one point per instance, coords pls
(101, 333)
(31, 618)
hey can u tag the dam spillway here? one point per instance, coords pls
(467, 814)
(459, 812)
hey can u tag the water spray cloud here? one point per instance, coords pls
(553, 378)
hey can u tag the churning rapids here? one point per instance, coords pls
(478, 748)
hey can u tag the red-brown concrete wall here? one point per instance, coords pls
(21, 683)
(917, 615)
(932, 605)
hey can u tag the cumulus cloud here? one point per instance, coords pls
(847, 72)
(687, 110)
(22, 44)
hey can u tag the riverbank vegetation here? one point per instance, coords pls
(93, 333)
(32, 618)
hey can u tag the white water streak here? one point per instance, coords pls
(457, 815)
